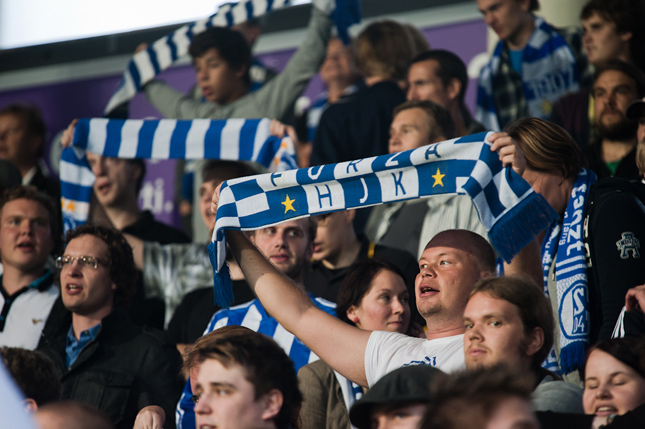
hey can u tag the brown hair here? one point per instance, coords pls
(384, 49)
(265, 364)
(120, 259)
(547, 146)
(532, 305)
(439, 119)
(34, 373)
(468, 399)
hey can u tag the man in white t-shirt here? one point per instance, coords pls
(450, 266)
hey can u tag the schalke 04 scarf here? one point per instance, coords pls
(161, 54)
(563, 242)
(232, 139)
(508, 207)
(549, 71)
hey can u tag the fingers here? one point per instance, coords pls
(635, 298)
(277, 128)
(68, 135)
(215, 199)
(141, 47)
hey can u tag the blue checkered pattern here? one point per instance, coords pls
(232, 139)
(506, 204)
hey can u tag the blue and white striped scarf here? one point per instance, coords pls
(232, 139)
(147, 64)
(507, 205)
(549, 71)
(564, 243)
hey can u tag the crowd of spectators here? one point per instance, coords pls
(402, 315)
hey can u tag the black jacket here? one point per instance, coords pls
(125, 369)
(614, 237)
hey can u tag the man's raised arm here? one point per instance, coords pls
(341, 345)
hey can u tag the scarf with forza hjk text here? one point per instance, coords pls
(507, 205)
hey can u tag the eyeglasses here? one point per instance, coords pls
(83, 261)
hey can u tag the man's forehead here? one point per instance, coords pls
(19, 205)
(300, 224)
(615, 77)
(89, 244)
(494, 304)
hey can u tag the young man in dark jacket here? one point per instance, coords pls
(106, 360)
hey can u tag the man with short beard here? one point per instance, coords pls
(616, 85)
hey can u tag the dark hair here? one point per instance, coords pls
(219, 169)
(358, 282)
(439, 118)
(468, 399)
(122, 270)
(532, 305)
(535, 5)
(77, 415)
(265, 364)
(630, 70)
(629, 351)
(32, 119)
(450, 67)
(31, 193)
(230, 45)
(547, 146)
(627, 15)
(34, 373)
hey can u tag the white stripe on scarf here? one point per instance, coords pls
(232, 139)
(564, 244)
(548, 73)
(507, 205)
(161, 54)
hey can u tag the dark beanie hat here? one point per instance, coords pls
(407, 384)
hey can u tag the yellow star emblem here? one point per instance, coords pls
(70, 206)
(288, 204)
(438, 178)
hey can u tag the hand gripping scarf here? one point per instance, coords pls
(506, 204)
(232, 139)
(147, 64)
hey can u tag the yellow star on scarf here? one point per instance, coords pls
(438, 178)
(288, 204)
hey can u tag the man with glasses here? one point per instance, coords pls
(28, 231)
(106, 360)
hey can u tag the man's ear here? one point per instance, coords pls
(239, 73)
(351, 214)
(309, 252)
(272, 404)
(30, 406)
(626, 36)
(454, 88)
(535, 341)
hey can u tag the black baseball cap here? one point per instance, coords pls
(405, 385)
